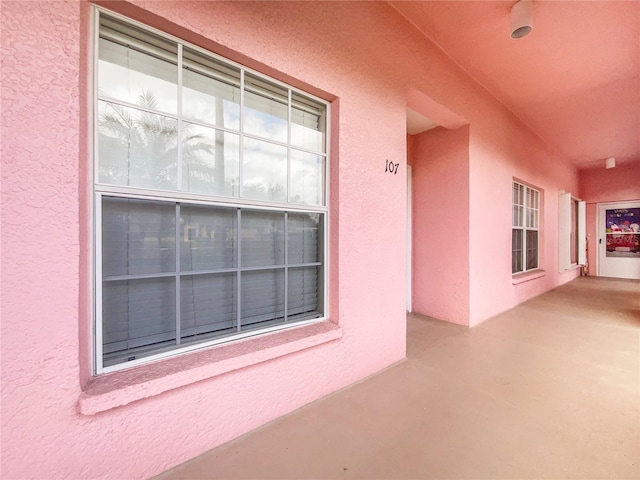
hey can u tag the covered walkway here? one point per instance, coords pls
(549, 389)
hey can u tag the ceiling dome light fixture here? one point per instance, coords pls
(521, 18)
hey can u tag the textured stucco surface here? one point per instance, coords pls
(441, 224)
(462, 216)
(40, 244)
(362, 56)
(44, 434)
(110, 391)
(498, 153)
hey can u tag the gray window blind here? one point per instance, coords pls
(171, 270)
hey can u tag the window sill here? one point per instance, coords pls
(527, 276)
(121, 388)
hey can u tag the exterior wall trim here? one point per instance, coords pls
(121, 388)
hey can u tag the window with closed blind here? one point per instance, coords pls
(210, 198)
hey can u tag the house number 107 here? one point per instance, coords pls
(391, 167)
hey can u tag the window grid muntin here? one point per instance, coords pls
(167, 36)
(104, 186)
(238, 202)
(199, 199)
(179, 117)
(238, 270)
(525, 200)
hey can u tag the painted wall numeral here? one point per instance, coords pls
(391, 167)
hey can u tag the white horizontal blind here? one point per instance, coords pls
(181, 269)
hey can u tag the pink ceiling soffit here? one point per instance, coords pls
(574, 79)
(440, 114)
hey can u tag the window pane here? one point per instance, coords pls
(262, 298)
(532, 208)
(518, 194)
(516, 250)
(517, 216)
(532, 249)
(264, 171)
(265, 109)
(137, 67)
(531, 218)
(210, 161)
(207, 306)
(138, 237)
(308, 120)
(136, 148)
(262, 238)
(302, 232)
(208, 238)
(302, 296)
(211, 91)
(138, 317)
(307, 178)
(536, 216)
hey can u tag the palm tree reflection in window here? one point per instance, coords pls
(140, 149)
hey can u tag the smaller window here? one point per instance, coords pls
(525, 228)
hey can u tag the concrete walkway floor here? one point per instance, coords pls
(547, 390)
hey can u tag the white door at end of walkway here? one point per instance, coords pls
(619, 240)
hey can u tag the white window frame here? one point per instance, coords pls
(521, 222)
(103, 190)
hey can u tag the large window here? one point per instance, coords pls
(525, 228)
(210, 198)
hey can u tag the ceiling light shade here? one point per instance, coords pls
(521, 18)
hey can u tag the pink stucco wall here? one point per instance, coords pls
(500, 152)
(440, 224)
(45, 321)
(462, 218)
(602, 185)
(57, 422)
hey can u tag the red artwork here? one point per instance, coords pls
(623, 232)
